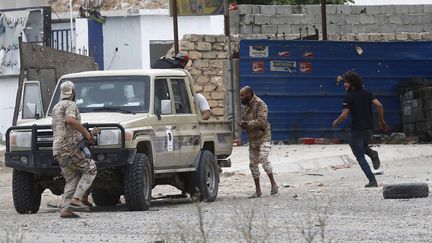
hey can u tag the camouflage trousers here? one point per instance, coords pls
(259, 155)
(79, 173)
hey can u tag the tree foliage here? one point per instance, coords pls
(291, 2)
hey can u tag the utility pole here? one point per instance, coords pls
(175, 26)
(324, 19)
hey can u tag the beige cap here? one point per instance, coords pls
(66, 89)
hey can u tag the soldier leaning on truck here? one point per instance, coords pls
(78, 171)
(254, 120)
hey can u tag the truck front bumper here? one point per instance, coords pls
(43, 163)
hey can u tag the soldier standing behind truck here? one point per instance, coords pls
(254, 120)
(78, 171)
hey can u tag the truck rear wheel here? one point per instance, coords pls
(26, 192)
(105, 198)
(204, 184)
(138, 183)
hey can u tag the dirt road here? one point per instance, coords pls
(332, 201)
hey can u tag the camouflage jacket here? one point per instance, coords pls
(258, 128)
(65, 137)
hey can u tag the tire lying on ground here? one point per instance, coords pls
(406, 190)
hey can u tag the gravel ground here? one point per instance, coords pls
(348, 212)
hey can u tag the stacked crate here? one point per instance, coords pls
(416, 104)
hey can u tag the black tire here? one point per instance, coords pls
(203, 185)
(138, 183)
(406, 190)
(26, 192)
(105, 198)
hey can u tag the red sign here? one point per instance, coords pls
(258, 67)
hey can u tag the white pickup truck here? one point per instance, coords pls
(151, 134)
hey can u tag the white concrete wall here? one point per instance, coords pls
(123, 33)
(158, 25)
(82, 37)
(4, 4)
(8, 88)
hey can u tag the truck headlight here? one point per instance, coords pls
(110, 137)
(20, 140)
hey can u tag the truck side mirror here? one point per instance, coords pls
(166, 108)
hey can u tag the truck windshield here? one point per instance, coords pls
(126, 94)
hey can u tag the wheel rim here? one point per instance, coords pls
(210, 177)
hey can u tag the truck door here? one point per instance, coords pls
(166, 150)
(186, 132)
(31, 107)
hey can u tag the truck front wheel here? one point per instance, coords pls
(26, 192)
(204, 184)
(138, 183)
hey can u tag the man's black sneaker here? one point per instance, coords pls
(372, 184)
(375, 159)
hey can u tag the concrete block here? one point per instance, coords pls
(415, 36)
(202, 79)
(298, 9)
(284, 29)
(382, 19)
(219, 46)
(425, 19)
(209, 55)
(373, 9)
(373, 28)
(313, 9)
(284, 10)
(387, 28)
(395, 19)
(308, 20)
(210, 38)
(293, 19)
(195, 55)
(318, 20)
(195, 71)
(343, 9)
(427, 8)
(410, 19)
(375, 37)
(332, 29)
(203, 46)
(333, 37)
(261, 20)
(269, 10)
(402, 36)
(401, 9)
(388, 37)
(367, 19)
(269, 29)
(342, 29)
(427, 36)
(352, 19)
(297, 28)
(358, 28)
(221, 38)
(388, 9)
(331, 9)
(278, 20)
(247, 19)
(416, 9)
(427, 27)
(256, 29)
(222, 55)
(187, 45)
(363, 37)
(358, 9)
(348, 37)
(245, 9)
(334, 19)
(256, 9)
(245, 29)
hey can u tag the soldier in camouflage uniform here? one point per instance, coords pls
(254, 120)
(78, 171)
